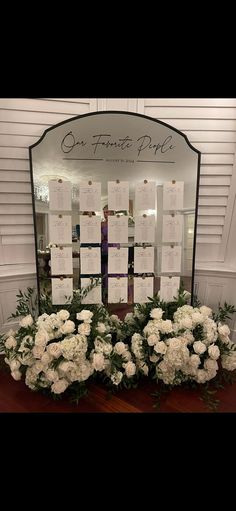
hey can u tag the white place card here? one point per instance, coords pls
(117, 290)
(145, 196)
(60, 229)
(143, 259)
(144, 229)
(61, 261)
(90, 196)
(173, 195)
(118, 196)
(118, 229)
(143, 289)
(172, 228)
(171, 259)
(94, 295)
(169, 288)
(117, 260)
(90, 229)
(90, 260)
(59, 195)
(62, 291)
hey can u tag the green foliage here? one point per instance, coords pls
(26, 304)
(224, 312)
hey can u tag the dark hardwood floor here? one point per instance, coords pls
(16, 397)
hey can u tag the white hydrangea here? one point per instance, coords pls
(156, 313)
(205, 311)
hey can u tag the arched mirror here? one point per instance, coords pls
(115, 203)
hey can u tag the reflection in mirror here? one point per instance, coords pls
(115, 197)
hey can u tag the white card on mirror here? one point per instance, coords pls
(172, 228)
(143, 259)
(144, 229)
(118, 196)
(143, 289)
(118, 229)
(173, 195)
(145, 196)
(90, 260)
(62, 291)
(169, 288)
(117, 290)
(90, 229)
(61, 261)
(60, 229)
(117, 260)
(90, 196)
(94, 295)
(59, 195)
(171, 259)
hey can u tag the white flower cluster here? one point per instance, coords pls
(54, 352)
(185, 348)
(54, 355)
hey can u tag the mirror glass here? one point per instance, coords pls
(145, 225)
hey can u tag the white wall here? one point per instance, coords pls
(210, 125)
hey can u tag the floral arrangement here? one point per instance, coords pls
(62, 349)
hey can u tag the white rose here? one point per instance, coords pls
(199, 347)
(198, 318)
(130, 369)
(59, 386)
(63, 315)
(98, 361)
(16, 375)
(202, 376)
(14, 365)
(210, 365)
(85, 315)
(223, 330)
(101, 328)
(156, 313)
(153, 358)
(41, 338)
(152, 339)
(54, 350)
(84, 329)
(119, 348)
(52, 375)
(68, 327)
(26, 321)
(116, 377)
(214, 351)
(38, 351)
(160, 347)
(10, 342)
(46, 358)
(186, 322)
(194, 361)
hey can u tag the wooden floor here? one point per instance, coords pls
(17, 398)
